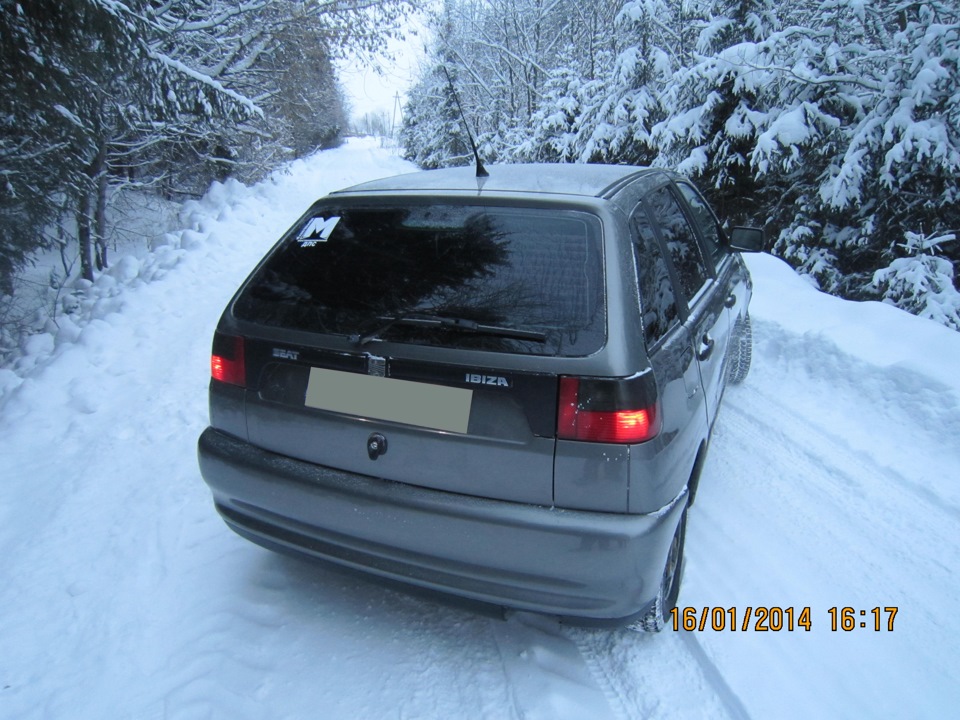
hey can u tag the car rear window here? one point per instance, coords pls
(349, 270)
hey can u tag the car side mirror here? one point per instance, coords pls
(747, 239)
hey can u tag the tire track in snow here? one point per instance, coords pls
(620, 703)
(847, 473)
(655, 676)
(731, 701)
(807, 518)
(777, 414)
(833, 446)
(911, 411)
(546, 673)
(220, 665)
(836, 485)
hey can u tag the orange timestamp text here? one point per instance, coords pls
(774, 618)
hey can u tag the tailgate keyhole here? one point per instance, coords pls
(376, 446)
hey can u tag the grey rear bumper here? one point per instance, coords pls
(573, 563)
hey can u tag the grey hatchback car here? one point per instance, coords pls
(501, 388)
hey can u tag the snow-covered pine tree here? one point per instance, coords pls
(913, 135)
(717, 102)
(556, 128)
(828, 79)
(99, 94)
(31, 161)
(888, 75)
(307, 110)
(924, 282)
(279, 52)
(616, 126)
(433, 134)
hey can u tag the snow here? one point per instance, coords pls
(69, 116)
(924, 285)
(831, 482)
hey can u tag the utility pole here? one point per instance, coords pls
(396, 109)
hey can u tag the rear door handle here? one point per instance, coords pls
(706, 347)
(730, 301)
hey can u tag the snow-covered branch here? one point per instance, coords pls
(208, 81)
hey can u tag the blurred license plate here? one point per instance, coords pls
(402, 401)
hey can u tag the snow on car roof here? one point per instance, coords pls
(565, 179)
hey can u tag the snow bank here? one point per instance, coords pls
(229, 213)
(874, 332)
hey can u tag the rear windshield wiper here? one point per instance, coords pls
(446, 323)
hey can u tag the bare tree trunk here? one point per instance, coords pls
(89, 227)
(100, 218)
(83, 235)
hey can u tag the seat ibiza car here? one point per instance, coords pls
(501, 388)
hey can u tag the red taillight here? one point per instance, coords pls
(226, 361)
(611, 411)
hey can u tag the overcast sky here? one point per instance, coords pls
(370, 91)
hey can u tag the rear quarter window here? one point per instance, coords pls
(346, 268)
(680, 241)
(706, 221)
(657, 298)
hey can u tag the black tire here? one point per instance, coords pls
(741, 351)
(656, 617)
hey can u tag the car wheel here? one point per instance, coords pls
(656, 617)
(741, 351)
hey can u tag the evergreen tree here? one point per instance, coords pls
(618, 129)
(557, 127)
(97, 94)
(716, 103)
(82, 81)
(888, 172)
(433, 134)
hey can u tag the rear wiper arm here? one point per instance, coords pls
(389, 321)
(464, 325)
(447, 323)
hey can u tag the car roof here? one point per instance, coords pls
(584, 180)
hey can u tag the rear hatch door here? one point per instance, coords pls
(476, 431)
(346, 372)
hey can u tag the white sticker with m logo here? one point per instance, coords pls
(317, 230)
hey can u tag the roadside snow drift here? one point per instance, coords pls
(831, 483)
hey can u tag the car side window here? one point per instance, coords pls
(680, 241)
(706, 221)
(659, 304)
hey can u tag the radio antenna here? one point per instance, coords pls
(481, 171)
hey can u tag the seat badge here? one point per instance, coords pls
(376, 366)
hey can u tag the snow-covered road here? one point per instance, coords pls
(832, 482)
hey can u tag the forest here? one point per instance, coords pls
(835, 124)
(99, 97)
